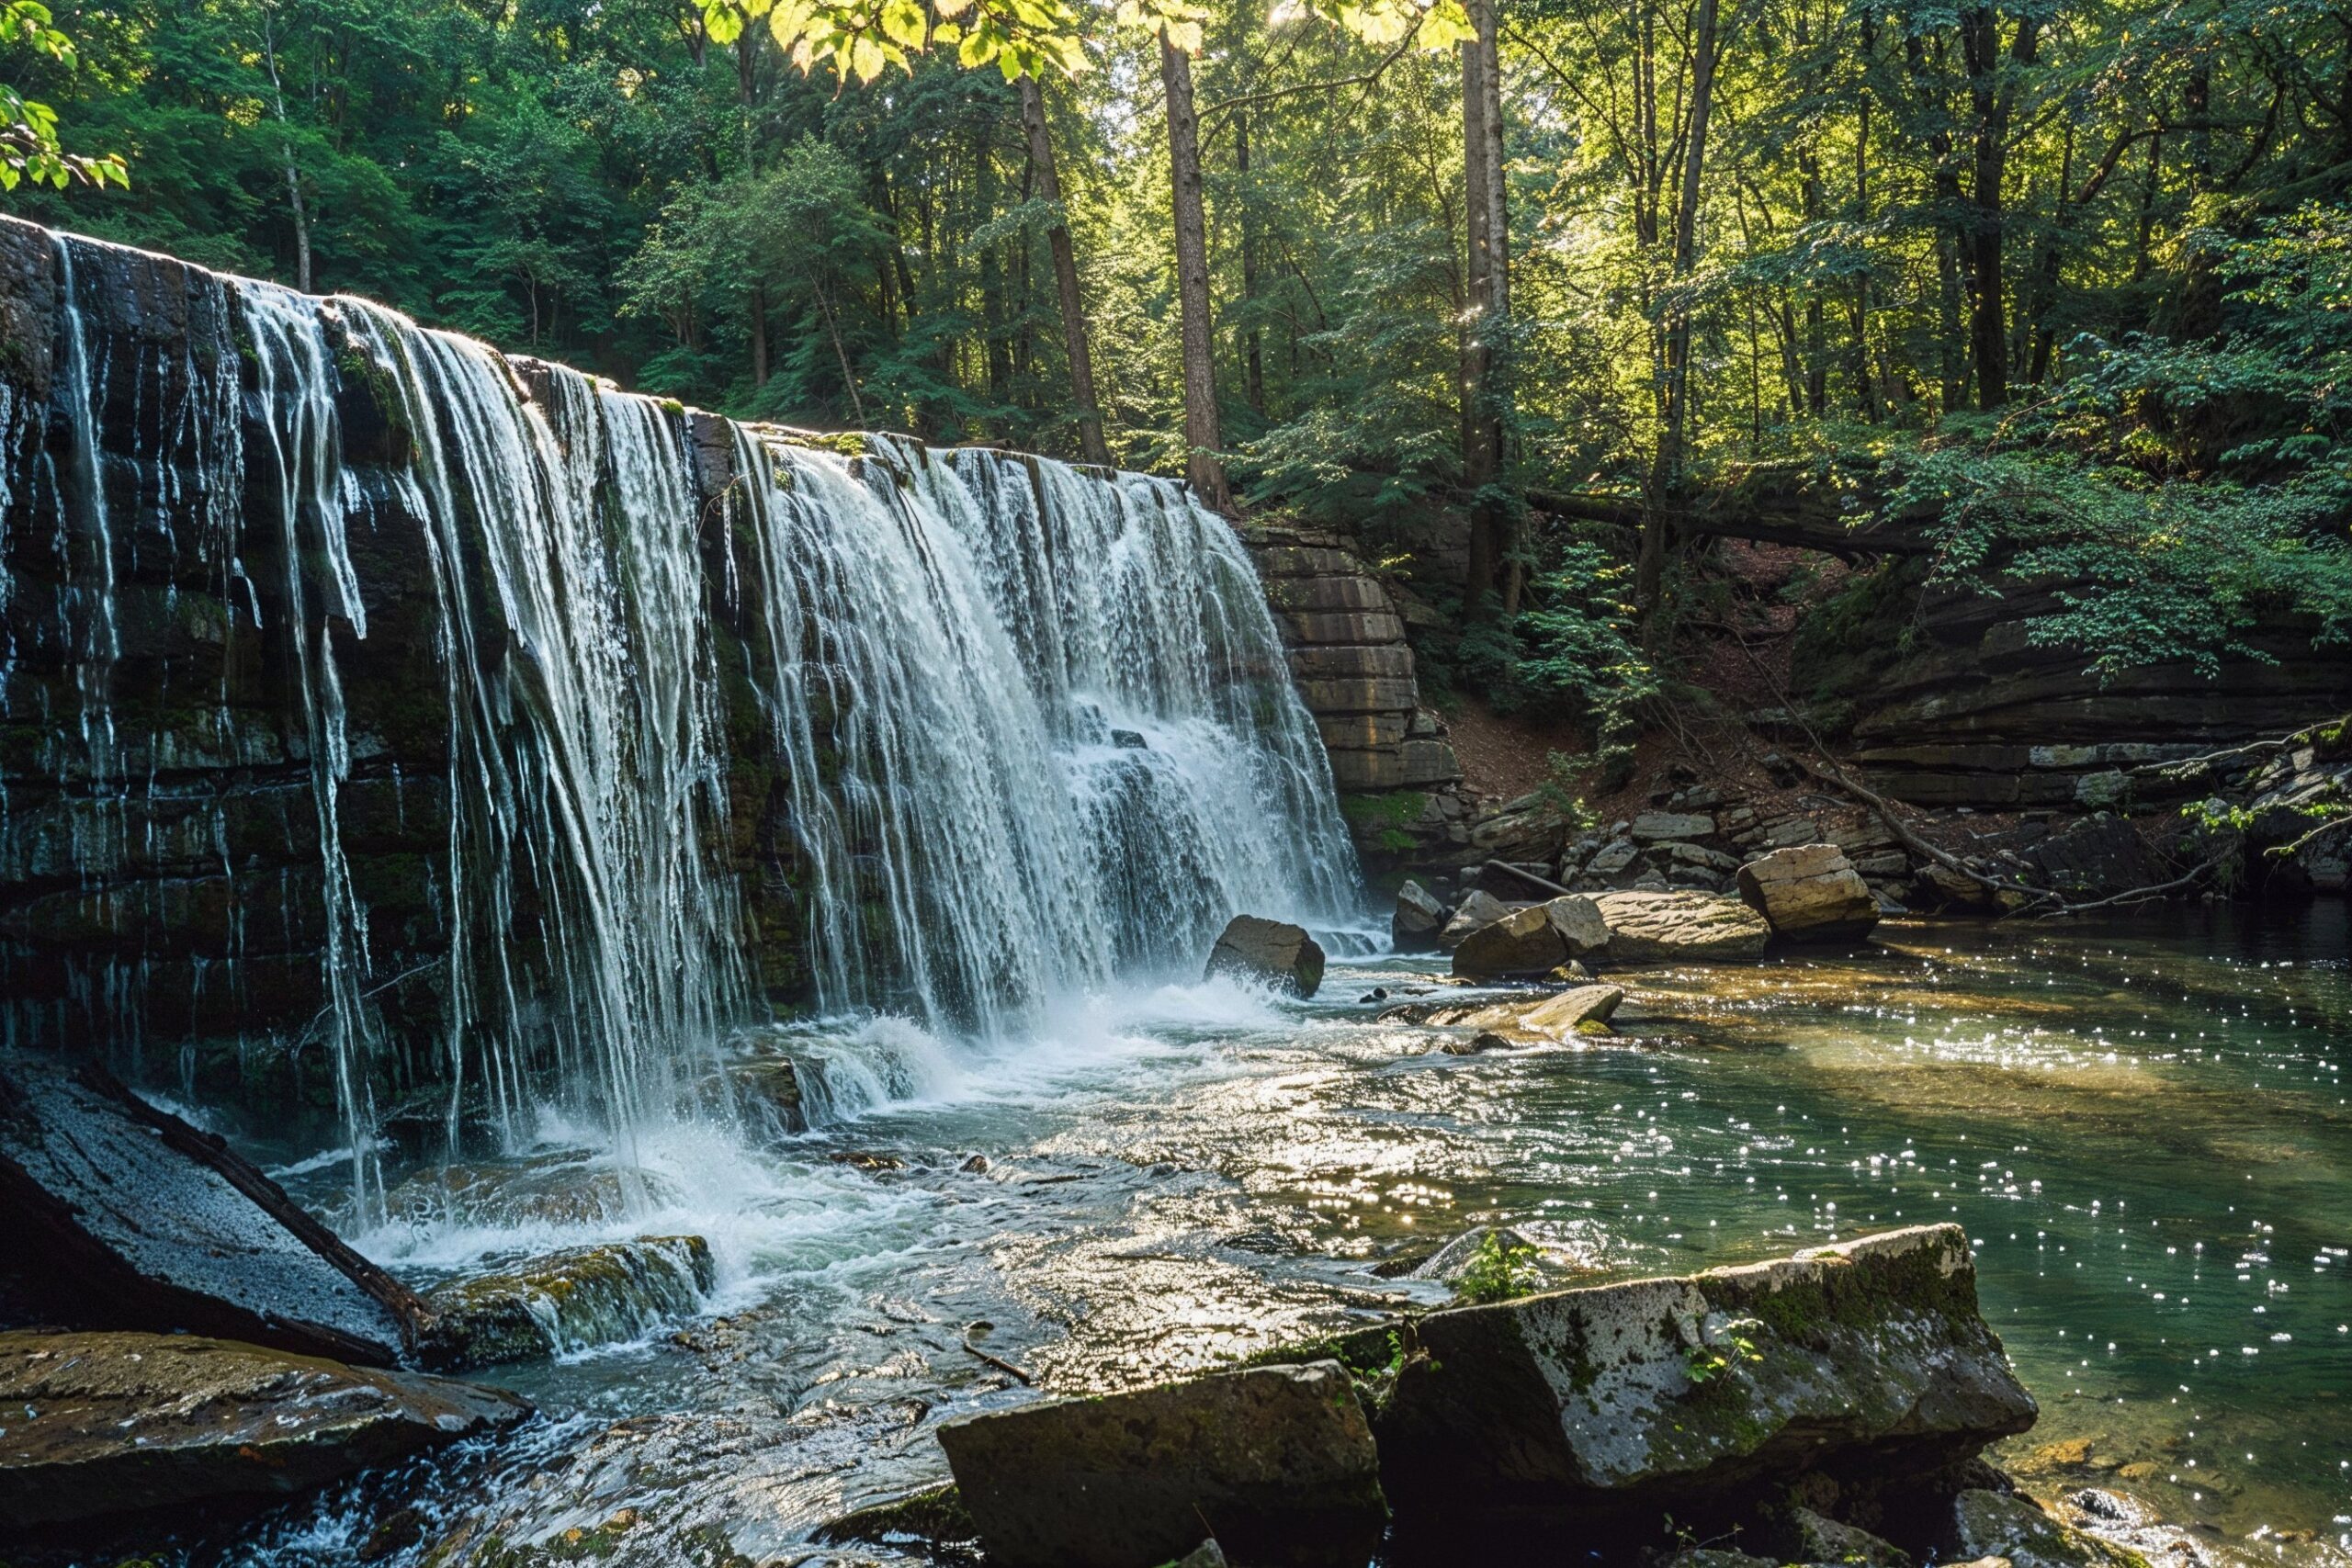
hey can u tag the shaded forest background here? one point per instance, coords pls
(2059, 288)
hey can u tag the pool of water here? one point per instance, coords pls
(2145, 1127)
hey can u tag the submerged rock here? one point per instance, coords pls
(1809, 893)
(1477, 909)
(1679, 1394)
(1270, 951)
(1649, 926)
(2006, 1525)
(1533, 940)
(568, 1300)
(103, 1425)
(1278, 1462)
(1418, 919)
(118, 1215)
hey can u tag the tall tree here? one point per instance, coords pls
(1203, 467)
(1088, 413)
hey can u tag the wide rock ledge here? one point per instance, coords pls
(1277, 1462)
(1271, 951)
(103, 1425)
(1868, 1360)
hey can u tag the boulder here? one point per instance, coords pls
(1644, 926)
(1819, 1538)
(1533, 940)
(1277, 953)
(1418, 919)
(1478, 909)
(103, 1425)
(1449, 1264)
(568, 1300)
(120, 1216)
(1278, 1462)
(1603, 1404)
(1809, 893)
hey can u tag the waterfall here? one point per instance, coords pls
(553, 733)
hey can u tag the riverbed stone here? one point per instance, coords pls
(1667, 826)
(1477, 909)
(1809, 893)
(1533, 940)
(2008, 1525)
(100, 1425)
(1869, 1356)
(1272, 952)
(1562, 1018)
(1277, 1461)
(567, 1301)
(1650, 925)
(1418, 919)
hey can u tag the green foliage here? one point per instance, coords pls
(1497, 1271)
(29, 148)
(1732, 1346)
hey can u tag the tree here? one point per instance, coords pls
(29, 148)
(1204, 469)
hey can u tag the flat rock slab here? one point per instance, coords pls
(102, 1425)
(1645, 927)
(568, 1300)
(1277, 1462)
(1272, 951)
(1809, 893)
(118, 1215)
(1872, 1354)
(1560, 1019)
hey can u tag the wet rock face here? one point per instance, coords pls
(1271, 951)
(567, 1301)
(1646, 927)
(118, 1216)
(106, 1425)
(1809, 893)
(1277, 1461)
(1869, 1358)
(1418, 919)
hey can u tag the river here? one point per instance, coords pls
(2144, 1126)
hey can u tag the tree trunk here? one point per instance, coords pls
(293, 173)
(1991, 97)
(1865, 384)
(758, 325)
(1253, 360)
(1665, 474)
(1202, 468)
(1091, 443)
(1486, 250)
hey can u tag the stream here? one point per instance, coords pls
(2144, 1125)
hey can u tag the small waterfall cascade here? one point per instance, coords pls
(1039, 727)
(495, 743)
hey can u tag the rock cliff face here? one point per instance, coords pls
(379, 712)
(1946, 701)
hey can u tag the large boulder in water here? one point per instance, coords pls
(1866, 1358)
(1278, 1462)
(568, 1300)
(1272, 951)
(1418, 919)
(118, 1215)
(1533, 940)
(1562, 1018)
(1646, 927)
(1809, 893)
(103, 1425)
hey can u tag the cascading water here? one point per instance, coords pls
(1037, 725)
(555, 699)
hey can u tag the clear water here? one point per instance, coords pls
(2144, 1125)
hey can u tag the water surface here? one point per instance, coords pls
(2144, 1126)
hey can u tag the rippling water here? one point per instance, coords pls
(2145, 1127)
